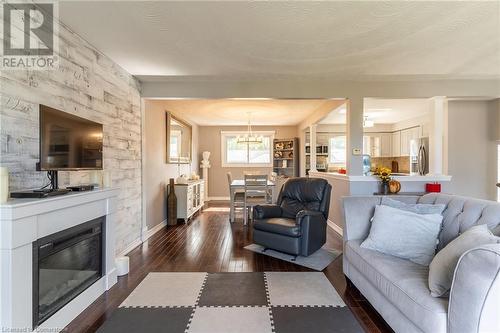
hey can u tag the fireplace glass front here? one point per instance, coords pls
(65, 264)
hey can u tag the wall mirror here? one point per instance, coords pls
(178, 140)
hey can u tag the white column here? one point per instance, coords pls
(312, 141)
(205, 178)
(355, 136)
(437, 135)
(205, 165)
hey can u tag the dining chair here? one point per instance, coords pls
(256, 193)
(237, 200)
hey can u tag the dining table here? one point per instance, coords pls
(238, 185)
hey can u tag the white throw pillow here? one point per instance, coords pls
(404, 234)
(443, 265)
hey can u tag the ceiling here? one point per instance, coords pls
(336, 39)
(384, 111)
(220, 112)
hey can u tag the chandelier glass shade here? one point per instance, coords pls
(249, 137)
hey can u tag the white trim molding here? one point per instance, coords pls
(335, 227)
(156, 228)
(145, 235)
(130, 247)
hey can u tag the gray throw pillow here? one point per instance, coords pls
(404, 234)
(415, 208)
(443, 265)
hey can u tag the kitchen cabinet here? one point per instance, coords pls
(371, 144)
(407, 136)
(405, 143)
(377, 144)
(396, 144)
(385, 145)
(366, 145)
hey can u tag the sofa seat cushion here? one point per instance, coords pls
(278, 225)
(404, 283)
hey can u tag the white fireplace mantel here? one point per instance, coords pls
(23, 221)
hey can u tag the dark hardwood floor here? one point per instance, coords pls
(209, 243)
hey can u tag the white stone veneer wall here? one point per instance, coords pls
(90, 85)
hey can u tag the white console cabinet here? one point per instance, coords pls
(190, 198)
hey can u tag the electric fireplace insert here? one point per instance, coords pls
(64, 265)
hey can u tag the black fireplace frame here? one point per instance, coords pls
(66, 236)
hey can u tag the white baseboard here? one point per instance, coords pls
(130, 247)
(335, 227)
(155, 229)
(145, 235)
(218, 199)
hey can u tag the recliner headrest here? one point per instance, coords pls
(304, 189)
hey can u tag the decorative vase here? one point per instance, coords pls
(171, 204)
(385, 188)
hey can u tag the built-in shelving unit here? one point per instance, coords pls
(286, 157)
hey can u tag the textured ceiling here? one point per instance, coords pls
(270, 39)
(218, 112)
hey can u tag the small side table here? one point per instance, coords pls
(402, 194)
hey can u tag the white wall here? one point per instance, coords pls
(472, 148)
(156, 170)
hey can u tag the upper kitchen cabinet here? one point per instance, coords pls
(377, 144)
(385, 144)
(396, 144)
(407, 136)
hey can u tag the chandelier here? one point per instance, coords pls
(249, 136)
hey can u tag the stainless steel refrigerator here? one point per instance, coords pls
(419, 156)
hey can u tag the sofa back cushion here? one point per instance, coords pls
(304, 194)
(461, 213)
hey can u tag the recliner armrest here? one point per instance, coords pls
(266, 211)
(312, 229)
(308, 214)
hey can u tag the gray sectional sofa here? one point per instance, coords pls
(398, 289)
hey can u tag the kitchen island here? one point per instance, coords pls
(346, 185)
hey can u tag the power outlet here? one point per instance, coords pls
(356, 151)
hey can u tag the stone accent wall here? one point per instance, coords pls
(90, 85)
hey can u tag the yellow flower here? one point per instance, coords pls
(384, 174)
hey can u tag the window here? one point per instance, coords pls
(338, 150)
(236, 154)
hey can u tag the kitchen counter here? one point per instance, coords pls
(346, 185)
(400, 178)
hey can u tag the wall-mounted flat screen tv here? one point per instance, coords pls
(68, 142)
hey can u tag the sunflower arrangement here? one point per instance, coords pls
(384, 174)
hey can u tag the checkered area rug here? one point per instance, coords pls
(280, 302)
